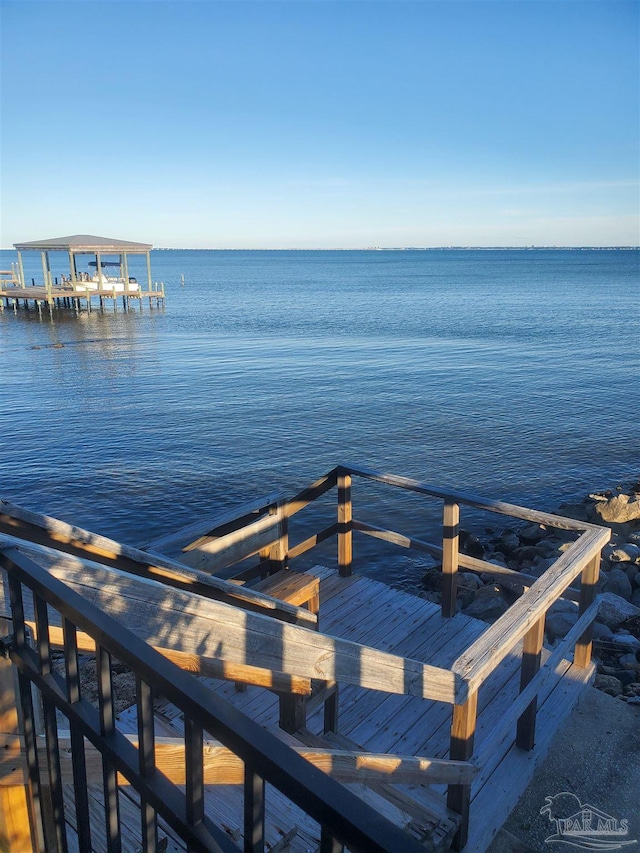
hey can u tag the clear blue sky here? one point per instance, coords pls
(322, 124)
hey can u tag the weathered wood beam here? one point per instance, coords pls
(203, 666)
(469, 499)
(210, 553)
(397, 538)
(345, 531)
(463, 729)
(311, 493)
(185, 622)
(312, 541)
(590, 575)
(60, 536)
(208, 525)
(531, 655)
(450, 557)
(507, 577)
(223, 767)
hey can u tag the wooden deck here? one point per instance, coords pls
(425, 693)
(369, 612)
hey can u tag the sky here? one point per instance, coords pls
(320, 124)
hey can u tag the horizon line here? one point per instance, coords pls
(460, 248)
(625, 247)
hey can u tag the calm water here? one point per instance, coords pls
(512, 374)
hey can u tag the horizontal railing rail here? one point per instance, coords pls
(500, 507)
(181, 624)
(518, 581)
(233, 519)
(221, 766)
(53, 533)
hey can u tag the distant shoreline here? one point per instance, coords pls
(404, 249)
(391, 249)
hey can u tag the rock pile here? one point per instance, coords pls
(532, 549)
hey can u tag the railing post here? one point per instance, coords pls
(531, 653)
(589, 580)
(280, 548)
(293, 712)
(253, 812)
(450, 522)
(463, 729)
(345, 517)
(330, 716)
(328, 842)
(275, 554)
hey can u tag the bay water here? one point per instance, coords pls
(508, 373)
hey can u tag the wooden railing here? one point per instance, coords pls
(262, 529)
(524, 621)
(249, 755)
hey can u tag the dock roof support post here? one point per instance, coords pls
(46, 271)
(43, 256)
(149, 270)
(99, 271)
(124, 270)
(72, 268)
(20, 269)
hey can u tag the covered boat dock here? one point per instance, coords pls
(111, 279)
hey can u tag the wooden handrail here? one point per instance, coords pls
(311, 542)
(60, 536)
(469, 499)
(214, 629)
(206, 667)
(508, 577)
(222, 767)
(484, 655)
(266, 759)
(311, 493)
(213, 552)
(207, 526)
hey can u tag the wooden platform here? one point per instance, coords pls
(66, 297)
(367, 611)
(424, 692)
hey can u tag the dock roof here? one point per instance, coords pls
(85, 243)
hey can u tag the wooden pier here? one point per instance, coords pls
(278, 709)
(79, 289)
(60, 297)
